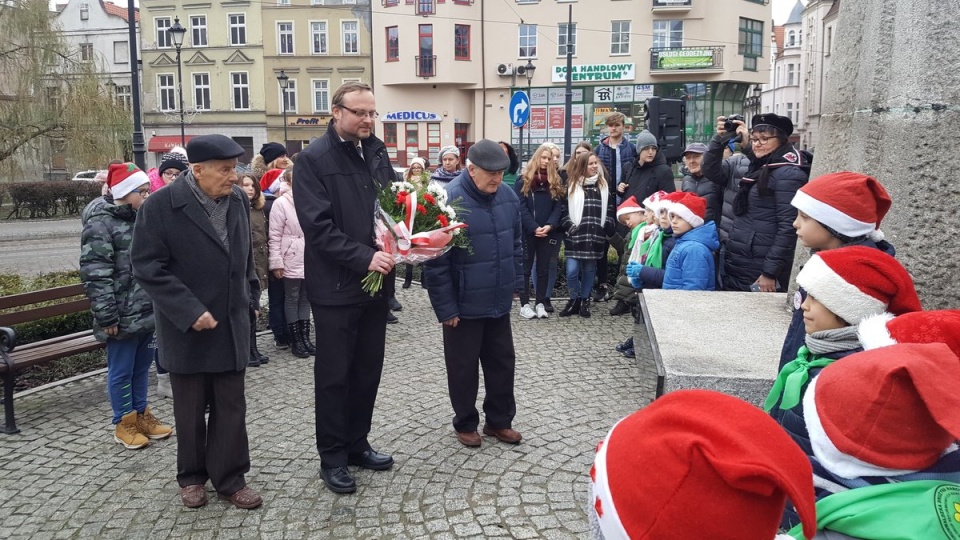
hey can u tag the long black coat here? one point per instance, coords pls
(179, 260)
(726, 173)
(649, 178)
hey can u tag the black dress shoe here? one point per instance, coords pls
(338, 479)
(391, 318)
(394, 304)
(548, 306)
(371, 459)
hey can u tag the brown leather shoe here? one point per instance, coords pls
(507, 435)
(246, 498)
(470, 439)
(193, 496)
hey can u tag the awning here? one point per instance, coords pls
(163, 143)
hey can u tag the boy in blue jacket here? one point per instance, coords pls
(691, 265)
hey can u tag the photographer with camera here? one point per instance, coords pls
(758, 240)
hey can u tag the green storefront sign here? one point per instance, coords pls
(685, 59)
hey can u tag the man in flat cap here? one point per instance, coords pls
(472, 295)
(336, 180)
(191, 253)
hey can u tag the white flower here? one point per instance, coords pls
(438, 192)
(397, 187)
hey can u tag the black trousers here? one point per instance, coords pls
(216, 449)
(544, 250)
(276, 296)
(346, 373)
(488, 341)
(602, 263)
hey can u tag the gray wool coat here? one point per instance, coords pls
(184, 267)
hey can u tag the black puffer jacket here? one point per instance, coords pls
(703, 187)
(762, 240)
(727, 174)
(649, 178)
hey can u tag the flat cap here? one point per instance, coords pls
(488, 155)
(784, 124)
(696, 148)
(210, 147)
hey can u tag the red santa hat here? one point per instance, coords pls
(699, 464)
(941, 326)
(628, 206)
(856, 282)
(651, 202)
(270, 178)
(885, 412)
(690, 208)
(124, 178)
(850, 203)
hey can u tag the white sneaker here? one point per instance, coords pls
(542, 312)
(163, 385)
(527, 312)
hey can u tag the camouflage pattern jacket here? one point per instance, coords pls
(107, 272)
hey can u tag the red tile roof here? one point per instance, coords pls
(778, 40)
(118, 11)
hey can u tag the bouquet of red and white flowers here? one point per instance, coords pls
(414, 227)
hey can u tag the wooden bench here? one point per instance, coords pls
(65, 300)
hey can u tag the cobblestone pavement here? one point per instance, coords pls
(64, 477)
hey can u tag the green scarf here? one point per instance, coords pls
(634, 233)
(653, 248)
(791, 381)
(927, 509)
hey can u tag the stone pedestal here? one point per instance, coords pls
(892, 110)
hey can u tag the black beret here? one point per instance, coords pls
(488, 155)
(271, 151)
(769, 119)
(210, 147)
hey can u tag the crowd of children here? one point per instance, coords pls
(863, 419)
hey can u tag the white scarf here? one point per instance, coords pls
(575, 201)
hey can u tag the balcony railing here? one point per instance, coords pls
(686, 58)
(667, 5)
(426, 66)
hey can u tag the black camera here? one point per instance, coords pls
(729, 126)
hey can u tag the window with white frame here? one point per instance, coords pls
(790, 111)
(162, 24)
(668, 34)
(240, 84)
(284, 38)
(318, 37)
(86, 52)
(528, 41)
(562, 39)
(198, 30)
(121, 52)
(124, 96)
(166, 92)
(790, 75)
(619, 37)
(351, 37)
(201, 91)
(321, 96)
(238, 28)
(291, 96)
(283, 2)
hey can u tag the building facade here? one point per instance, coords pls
(782, 95)
(819, 23)
(318, 45)
(450, 67)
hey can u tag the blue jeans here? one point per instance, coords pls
(128, 364)
(580, 274)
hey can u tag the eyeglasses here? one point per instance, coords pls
(171, 172)
(145, 192)
(760, 140)
(373, 115)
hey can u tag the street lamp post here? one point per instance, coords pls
(528, 71)
(284, 81)
(176, 32)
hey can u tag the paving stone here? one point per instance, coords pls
(64, 477)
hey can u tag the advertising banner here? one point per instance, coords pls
(684, 59)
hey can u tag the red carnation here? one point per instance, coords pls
(429, 198)
(401, 197)
(443, 220)
(421, 209)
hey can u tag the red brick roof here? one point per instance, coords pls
(778, 40)
(118, 11)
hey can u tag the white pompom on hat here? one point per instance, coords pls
(938, 326)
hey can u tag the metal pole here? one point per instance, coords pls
(139, 152)
(284, 90)
(530, 117)
(183, 137)
(568, 95)
(520, 140)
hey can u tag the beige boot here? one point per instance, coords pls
(151, 427)
(128, 434)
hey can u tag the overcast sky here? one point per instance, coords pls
(781, 10)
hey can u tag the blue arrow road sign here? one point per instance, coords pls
(519, 108)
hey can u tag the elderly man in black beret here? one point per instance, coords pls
(472, 295)
(191, 253)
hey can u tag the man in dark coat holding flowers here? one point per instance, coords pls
(472, 294)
